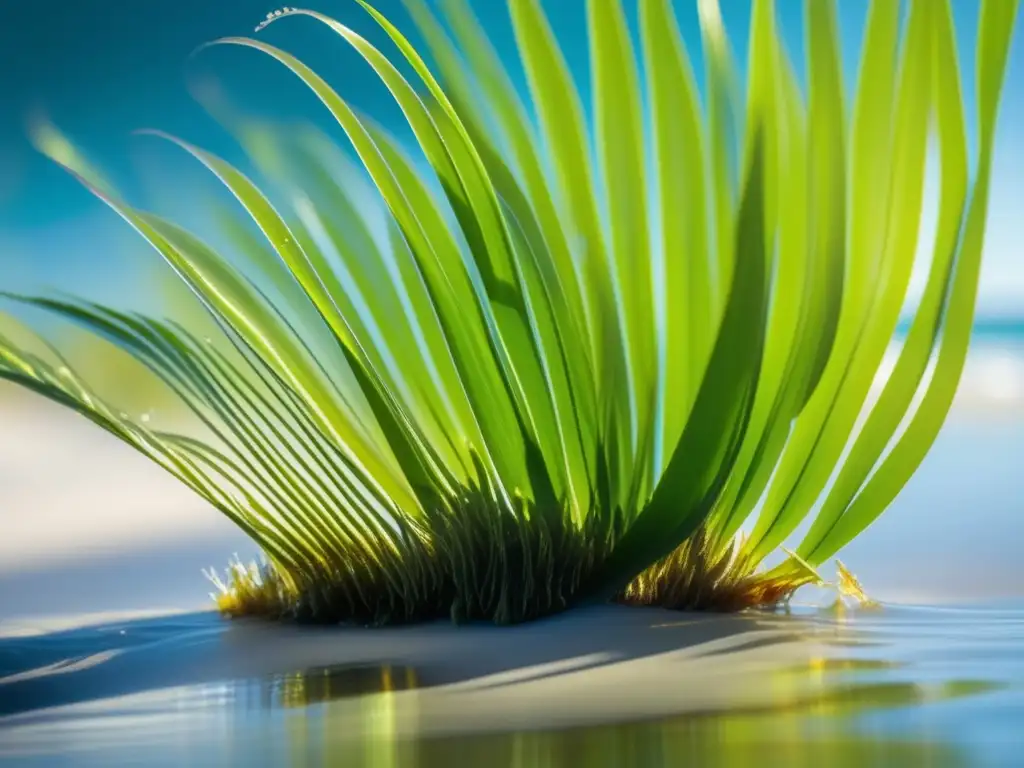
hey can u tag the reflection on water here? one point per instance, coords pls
(326, 684)
(809, 723)
(306, 719)
(900, 687)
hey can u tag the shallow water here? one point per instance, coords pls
(900, 686)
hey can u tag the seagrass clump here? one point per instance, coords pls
(532, 359)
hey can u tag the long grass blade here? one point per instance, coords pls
(994, 35)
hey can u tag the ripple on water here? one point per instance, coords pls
(900, 687)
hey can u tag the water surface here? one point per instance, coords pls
(900, 686)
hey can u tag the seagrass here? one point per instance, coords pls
(541, 355)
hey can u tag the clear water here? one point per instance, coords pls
(901, 686)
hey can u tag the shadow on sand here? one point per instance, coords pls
(119, 658)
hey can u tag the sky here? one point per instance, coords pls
(100, 70)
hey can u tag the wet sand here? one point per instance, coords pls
(587, 666)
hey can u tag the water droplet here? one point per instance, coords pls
(144, 418)
(122, 415)
(208, 340)
(64, 371)
(270, 15)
